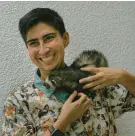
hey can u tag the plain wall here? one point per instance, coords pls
(106, 26)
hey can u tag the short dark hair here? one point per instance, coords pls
(38, 15)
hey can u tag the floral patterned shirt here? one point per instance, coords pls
(31, 105)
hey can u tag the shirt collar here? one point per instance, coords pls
(39, 84)
(60, 95)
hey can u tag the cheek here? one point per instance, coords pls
(31, 54)
(57, 44)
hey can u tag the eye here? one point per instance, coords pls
(46, 85)
(33, 43)
(49, 38)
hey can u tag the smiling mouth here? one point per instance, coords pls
(48, 59)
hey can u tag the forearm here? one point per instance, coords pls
(128, 81)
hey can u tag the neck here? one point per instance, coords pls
(44, 74)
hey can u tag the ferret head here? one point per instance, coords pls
(52, 81)
(90, 58)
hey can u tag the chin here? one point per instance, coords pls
(50, 67)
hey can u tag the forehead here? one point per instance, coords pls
(39, 30)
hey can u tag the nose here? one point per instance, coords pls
(42, 49)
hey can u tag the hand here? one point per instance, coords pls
(72, 110)
(103, 77)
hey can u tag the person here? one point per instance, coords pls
(34, 110)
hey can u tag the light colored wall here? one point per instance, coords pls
(106, 26)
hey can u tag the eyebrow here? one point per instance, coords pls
(44, 36)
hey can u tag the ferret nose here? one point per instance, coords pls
(47, 86)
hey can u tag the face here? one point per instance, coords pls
(46, 47)
(54, 79)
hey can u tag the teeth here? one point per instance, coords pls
(48, 59)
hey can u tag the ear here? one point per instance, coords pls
(66, 39)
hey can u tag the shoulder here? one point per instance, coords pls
(25, 88)
(20, 92)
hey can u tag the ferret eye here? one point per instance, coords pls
(46, 85)
(54, 82)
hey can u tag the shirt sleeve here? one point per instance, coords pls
(120, 100)
(16, 122)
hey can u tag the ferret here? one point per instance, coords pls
(68, 78)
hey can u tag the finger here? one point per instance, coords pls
(89, 79)
(99, 87)
(82, 98)
(90, 69)
(82, 95)
(92, 84)
(88, 102)
(72, 96)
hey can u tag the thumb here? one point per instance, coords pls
(72, 96)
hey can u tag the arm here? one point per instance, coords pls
(121, 100)
(109, 76)
(128, 81)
